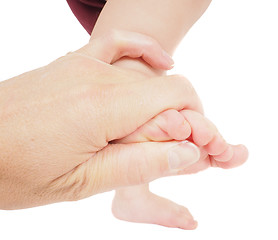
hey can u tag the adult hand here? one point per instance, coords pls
(57, 124)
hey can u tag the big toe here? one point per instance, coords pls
(182, 218)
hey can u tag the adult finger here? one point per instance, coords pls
(118, 44)
(120, 165)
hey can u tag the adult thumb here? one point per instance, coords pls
(120, 165)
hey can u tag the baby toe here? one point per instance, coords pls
(226, 155)
(217, 145)
(175, 125)
(240, 155)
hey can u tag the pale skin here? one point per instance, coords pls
(138, 204)
(166, 21)
(58, 124)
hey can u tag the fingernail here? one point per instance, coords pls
(169, 60)
(183, 155)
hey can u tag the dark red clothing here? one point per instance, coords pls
(87, 12)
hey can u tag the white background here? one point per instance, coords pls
(231, 57)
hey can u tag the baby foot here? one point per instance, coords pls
(193, 126)
(215, 152)
(138, 204)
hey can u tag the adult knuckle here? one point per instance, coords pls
(115, 37)
(185, 91)
(183, 83)
(182, 88)
(149, 41)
